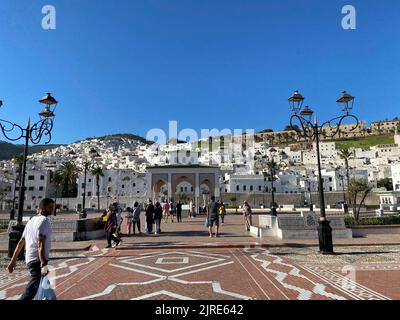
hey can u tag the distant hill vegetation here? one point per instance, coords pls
(129, 136)
(9, 150)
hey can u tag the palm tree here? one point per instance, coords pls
(98, 172)
(58, 181)
(346, 155)
(18, 160)
(69, 173)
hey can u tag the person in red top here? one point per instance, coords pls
(165, 209)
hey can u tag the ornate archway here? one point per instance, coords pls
(172, 176)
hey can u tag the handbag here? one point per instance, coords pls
(45, 291)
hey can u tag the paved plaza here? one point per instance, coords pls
(184, 263)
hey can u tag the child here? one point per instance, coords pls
(129, 220)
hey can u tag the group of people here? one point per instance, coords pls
(36, 238)
(161, 211)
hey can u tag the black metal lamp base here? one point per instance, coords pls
(14, 237)
(325, 237)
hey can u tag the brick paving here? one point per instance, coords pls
(184, 263)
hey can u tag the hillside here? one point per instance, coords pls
(9, 150)
(128, 136)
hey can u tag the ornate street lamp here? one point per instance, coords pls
(32, 134)
(311, 130)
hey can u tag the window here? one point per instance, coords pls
(109, 189)
(40, 188)
(330, 179)
(123, 186)
(259, 188)
(31, 178)
(109, 179)
(134, 185)
(237, 188)
(251, 188)
(90, 180)
(41, 177)
(89, 194)
(244, 188)
(31, 188)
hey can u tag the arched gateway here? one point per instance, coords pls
(163, 181)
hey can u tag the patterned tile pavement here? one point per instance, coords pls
(232, 267)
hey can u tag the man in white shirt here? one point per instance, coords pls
(37, 241)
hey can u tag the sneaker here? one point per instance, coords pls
(108, 247)
(114, 245)
(119, 243)
(210, 235)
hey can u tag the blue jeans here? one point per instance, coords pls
(33, 284)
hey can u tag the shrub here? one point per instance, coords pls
(375, 221)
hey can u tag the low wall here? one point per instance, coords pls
(296, 199)
(303, 226)
(364, 231)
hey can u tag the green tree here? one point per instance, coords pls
(58, 182)
(266, 130)
(386, 183)
(346, 155)
(234, 201)
(69, 173)
(358, 187)
(98, 172)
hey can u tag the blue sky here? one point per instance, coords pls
(127, 66)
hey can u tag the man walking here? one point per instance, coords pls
(37, 241)
(213, 217)
(179, 211)
(149, 217)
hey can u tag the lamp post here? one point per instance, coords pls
(32, 133)
(88, 164)
(308, 180)
(311, 130)
(345, 206)
(271, 165)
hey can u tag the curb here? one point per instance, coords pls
(87, 248)
(223, 246)
(240, 246)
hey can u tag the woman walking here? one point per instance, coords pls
(111, 227)
(166, 211)
(158, 213)
(247, 216)
(136, 217)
